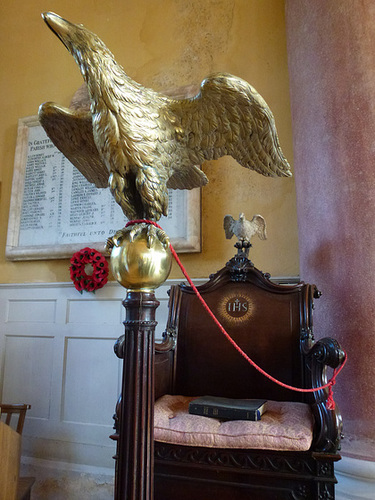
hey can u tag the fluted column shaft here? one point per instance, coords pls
(136, 439)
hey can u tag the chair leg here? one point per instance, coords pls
(24, 488)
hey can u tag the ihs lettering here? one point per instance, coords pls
(237, 306)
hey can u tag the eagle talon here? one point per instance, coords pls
(156, 233)
(152, 233)
(115, 240)
(163, 238)
(109, 244)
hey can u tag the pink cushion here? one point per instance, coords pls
(284, 426)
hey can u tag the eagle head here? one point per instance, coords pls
(77, 39)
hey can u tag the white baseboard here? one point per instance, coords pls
(67, 466)
(356, 479)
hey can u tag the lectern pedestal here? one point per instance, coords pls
(140, 264)
(136, 437)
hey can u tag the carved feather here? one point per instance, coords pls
(148, 141)
(71, 132)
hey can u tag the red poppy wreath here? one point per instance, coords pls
(79, 270)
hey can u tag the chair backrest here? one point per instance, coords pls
(268, 321)
(14, 415)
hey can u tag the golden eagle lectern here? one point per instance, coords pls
(140, 142)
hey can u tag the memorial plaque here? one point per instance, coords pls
(55, 211)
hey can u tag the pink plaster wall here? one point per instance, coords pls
(331, 56)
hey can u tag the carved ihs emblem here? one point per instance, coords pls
(236, 308)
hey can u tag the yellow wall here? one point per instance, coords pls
(161, 44)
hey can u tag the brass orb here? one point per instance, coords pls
(140, 264)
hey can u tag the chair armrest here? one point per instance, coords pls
(321, 355)
(168, 343)
(327, 351)
(164, 358)
(163, 373)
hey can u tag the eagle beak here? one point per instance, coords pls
(57, 24)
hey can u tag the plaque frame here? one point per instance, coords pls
(189, 242)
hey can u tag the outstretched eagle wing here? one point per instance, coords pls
(259, 225)
(71, 132)
(229, 117)
(229, 223)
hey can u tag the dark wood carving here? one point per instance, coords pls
(273, 324)
(292, 475)
(275, 328)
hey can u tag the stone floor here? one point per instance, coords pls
(70, 483)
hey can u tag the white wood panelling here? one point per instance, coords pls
(105, 311)
(95, 385)
(56, 353)
(41, 311)
(34, 355)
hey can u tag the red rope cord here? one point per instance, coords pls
(330, 402)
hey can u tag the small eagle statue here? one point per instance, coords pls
(245, 229)
(141, 142)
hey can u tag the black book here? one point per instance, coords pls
(227, 408)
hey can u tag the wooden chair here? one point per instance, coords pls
(14, 416)
(10, 413)
(272, 323)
